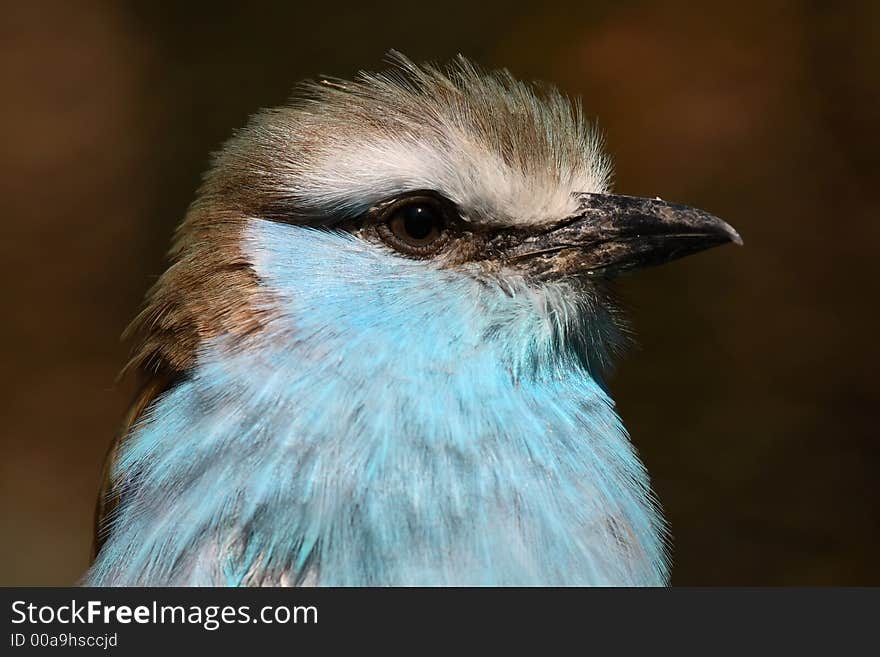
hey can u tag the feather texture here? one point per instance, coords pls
(506, 153)
(395, 423)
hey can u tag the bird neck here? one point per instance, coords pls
(394, 425)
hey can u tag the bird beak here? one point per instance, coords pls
(612, 234)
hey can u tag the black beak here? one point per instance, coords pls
(613, 234)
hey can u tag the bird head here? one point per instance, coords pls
(405, 196)
(381, 330)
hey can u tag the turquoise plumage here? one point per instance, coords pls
(417, 400)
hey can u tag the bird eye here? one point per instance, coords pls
(415, 226)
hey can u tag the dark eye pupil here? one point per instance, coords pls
(419, 221)
(415, 227)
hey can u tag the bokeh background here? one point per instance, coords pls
(752, 393)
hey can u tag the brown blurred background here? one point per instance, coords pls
(750, 395)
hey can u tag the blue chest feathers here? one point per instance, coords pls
(395, 424)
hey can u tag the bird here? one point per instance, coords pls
(377, 356)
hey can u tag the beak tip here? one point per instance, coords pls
(735, 237)
(727, 230)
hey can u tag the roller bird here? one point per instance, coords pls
(376, 356)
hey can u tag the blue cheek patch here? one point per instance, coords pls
(396, 424)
